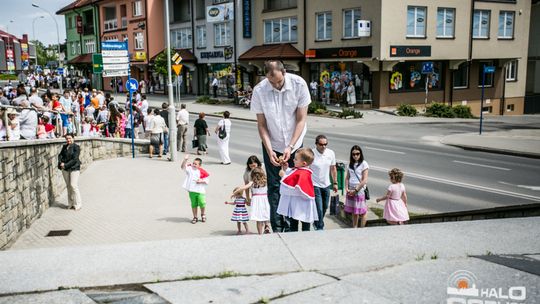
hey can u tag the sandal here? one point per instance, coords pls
(194, 220)
(203, 218)
(266, 229)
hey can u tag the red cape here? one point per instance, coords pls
(300, 178)
(204, 174)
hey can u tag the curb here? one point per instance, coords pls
(495, 150)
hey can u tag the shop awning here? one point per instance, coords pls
(81, 59)
(283, 51)
(186, 54)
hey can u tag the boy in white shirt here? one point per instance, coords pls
(195, 183)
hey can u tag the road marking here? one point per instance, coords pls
(533, 188)
(464, 185)
(389, 151)
(480, 165)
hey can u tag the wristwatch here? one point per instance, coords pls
(291, 146)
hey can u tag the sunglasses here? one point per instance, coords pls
(319, 144)
(356, 154)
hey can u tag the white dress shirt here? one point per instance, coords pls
(182, 118)
(279, 109)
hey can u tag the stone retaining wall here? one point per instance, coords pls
(30, 180)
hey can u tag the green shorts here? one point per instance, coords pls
(197, 199)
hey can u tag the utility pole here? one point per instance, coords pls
(172, 111)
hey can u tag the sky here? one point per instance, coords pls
(19, 14)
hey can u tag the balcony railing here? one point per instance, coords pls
(124, 22)
(110, 25)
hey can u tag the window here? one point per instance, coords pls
(201, 36)
(511, 70)
(139, 41)
(90, 46)
(280, 30)
(506, 25)
(416, 21)
(481, 24)
(489, 76)
(181, 10)
(324, 26)
(510, 108)
(69, 22)
(200, 9)
(279, 4)
(487, 110)
(222, 34)
(350, 22)
(407, 77)
(182, 38)
(137, 8)
(461, 76)
(445, 22)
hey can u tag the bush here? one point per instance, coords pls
(436, 109)
(315, 106)
(350, 112)
(8, 77)
(203, 99)
(406, 110)
(208, 100)
(463, 111)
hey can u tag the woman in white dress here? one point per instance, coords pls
(351, 94)
(223, 138)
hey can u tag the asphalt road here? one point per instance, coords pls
(438, 178)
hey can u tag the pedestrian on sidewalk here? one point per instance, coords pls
(182, 122)
(201, 131)
(355, 186)
(297, 200)
(195, 183)
(395, 209)
(159, 128)
(280, 102)
(215, 84)
(323, 166)
(260, 208)
(165, 114)
(240, 213)
(69, 163)
(223, 132)
(351, 94)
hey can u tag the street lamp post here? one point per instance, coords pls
(34, 34)
(172, 111)
(58, 37)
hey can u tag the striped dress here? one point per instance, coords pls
(240, 213)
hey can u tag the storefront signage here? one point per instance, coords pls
(215, 54)
(348, 52)
(141, 56)
(220, 13)
(228, 52)
(410, 50)
(246, 18)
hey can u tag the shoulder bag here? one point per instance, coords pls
(366, 190)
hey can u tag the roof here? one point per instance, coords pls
(272, 51)
(75, 4)
(6, 34)
(186, 54)
(82, 59)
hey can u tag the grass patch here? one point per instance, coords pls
(420, 257)
(378, 211)
(221, 275)
(434, 256)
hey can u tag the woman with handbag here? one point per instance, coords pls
(158, 127)
(201, 131)
(356, 187)
(223, 132)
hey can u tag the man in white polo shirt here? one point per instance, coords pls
(281, 104)
(324, 165)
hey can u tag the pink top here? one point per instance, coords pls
(396, 190)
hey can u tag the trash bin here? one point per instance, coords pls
(341, 177)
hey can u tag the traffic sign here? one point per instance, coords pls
(120, 66)
(427, 67)
(132, 85)
(97, 63)
(60, 71)
(114, 60)
(489, 69)
(115, 73)
(114, 46)
(177, 58)
(177, 68)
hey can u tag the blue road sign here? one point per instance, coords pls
(114, 46)
(489, 69)
(427, 67)
(60, 71)
(132, 85)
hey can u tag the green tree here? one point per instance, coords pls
(43, 57)
(160, 65)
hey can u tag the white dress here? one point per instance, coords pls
(223, 144)
(260, 208)
(296, 204)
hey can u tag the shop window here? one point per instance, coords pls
(222, 34)
(350, 22)
(481, 24)
(182, 38)
(201, 36)
(510, 108)
(511, 70)
(488, 81)
(280, 30)
(506, 25)
(279, 4)
(137, 8)
(139, 41)
(461, 76)
(407, 77)
(324, 26)
(445, 22)
(416, 21)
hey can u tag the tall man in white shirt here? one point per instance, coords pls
(182, 122)
(281, 104)
(324, 165)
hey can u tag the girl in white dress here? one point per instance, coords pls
(260, 208)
